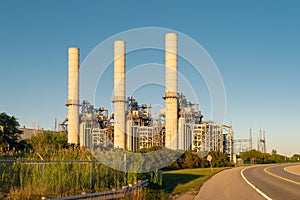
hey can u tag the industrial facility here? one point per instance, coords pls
(130, 126)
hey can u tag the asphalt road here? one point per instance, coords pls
(273, 181)
(228, 185)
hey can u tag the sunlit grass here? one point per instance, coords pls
(187, 180)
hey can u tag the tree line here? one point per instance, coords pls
(258, 157)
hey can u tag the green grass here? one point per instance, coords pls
(187, 180)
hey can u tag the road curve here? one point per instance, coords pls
(295, 169)
(274, 181)
(228, 185)
(270, 182)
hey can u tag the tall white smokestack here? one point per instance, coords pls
(119, 95)
(171, 91)
(73, 95)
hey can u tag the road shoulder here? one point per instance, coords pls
(293, 169)
(228, 185)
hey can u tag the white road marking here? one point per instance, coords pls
(255, 188)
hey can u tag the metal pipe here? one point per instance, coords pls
(171, 91)
(119, 95)
(73, 95)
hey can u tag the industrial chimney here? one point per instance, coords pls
(119, 94)
(171, 91)
(73, 95)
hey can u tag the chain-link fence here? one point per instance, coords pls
(21, 179)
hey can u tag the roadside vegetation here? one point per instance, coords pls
(186, 174)
(47, 166)
(180, 182)
(257, 157)
(10, 136)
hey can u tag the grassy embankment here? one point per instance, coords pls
(187, 180)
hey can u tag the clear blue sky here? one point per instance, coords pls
(255, 45)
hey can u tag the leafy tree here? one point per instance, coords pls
(273, 154)
(219, 159)
(48, 141)
(252, 156)
(147, 150)
(266, 158)
(188, 160)
(277, 157)
(257, 157)
(191, 160)
(295, 157)
(9, 133)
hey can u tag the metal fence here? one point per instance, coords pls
(43, 163)
(60, 176)
(114, 194)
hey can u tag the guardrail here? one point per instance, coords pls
(114, 194)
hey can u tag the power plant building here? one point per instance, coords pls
(131, 125)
